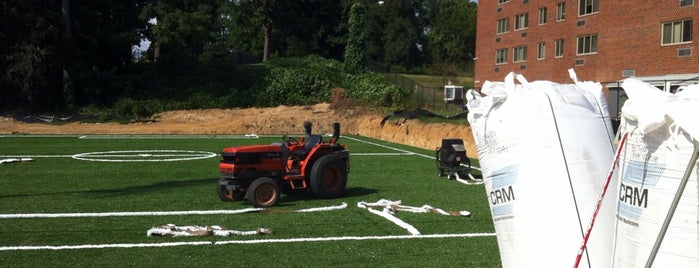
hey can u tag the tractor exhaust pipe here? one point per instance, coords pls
(336, 131)
(307, 125)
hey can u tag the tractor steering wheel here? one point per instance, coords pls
(289, 140)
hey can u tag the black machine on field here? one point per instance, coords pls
(452, 160)
(262, 172)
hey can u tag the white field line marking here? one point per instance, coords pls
(156, 136)
(381, 154)
(36, 156)
(255, 241)
(125, 214)
(98, 155)
(157, 213)
(396, 149)
(386, 215)
(387, 147)
(142, 245)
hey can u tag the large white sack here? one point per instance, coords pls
(662, 136)
(545, 150)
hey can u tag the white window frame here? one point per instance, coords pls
(521, 21)
(503, 23)
(500, 2)
(677, 32)
(519, 54)
(543, 16)
(558, 44)
(541, 51)
(583, 6)
(560, 11)
(501, 56)
(589, 44)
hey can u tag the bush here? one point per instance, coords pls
(143, 89)
(372, 89)
(294, 87)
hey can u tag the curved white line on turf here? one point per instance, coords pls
(255, 241)
(144, 155)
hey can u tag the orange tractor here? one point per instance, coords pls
(263, 172)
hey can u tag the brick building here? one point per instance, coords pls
(603, 40)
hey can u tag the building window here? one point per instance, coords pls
(520, 54)
(500, 2)
(686, 3)
(560, 11)
(587, 44)
(677, 32)
(541, 51)
(588, 7)
(542, 16)
(559, 48)
(503, 25)
(521, 21)
(501, 56)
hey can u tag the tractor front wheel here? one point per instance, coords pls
(263, 192)
(228, 195)
(329, 177)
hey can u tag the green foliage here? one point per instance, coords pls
(355, 51)
(452, 35)
(294, 87)
(372, 89)
(395, 33)
(56, 61)
(183, 26)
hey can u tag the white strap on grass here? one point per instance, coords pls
(15, 160)
(194, 230)
(390, 207)
(394, 206)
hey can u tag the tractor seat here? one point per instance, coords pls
(311, 142)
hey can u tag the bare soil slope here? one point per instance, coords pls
(277, 120)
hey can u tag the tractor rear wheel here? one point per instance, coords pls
(263, 192)
(228, 195)
(329, 177)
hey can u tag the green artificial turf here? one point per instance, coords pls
(55, 182)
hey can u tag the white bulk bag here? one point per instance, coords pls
(662, 136)
(545, 150)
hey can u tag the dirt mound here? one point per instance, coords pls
(276, 120)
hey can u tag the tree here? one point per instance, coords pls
(183, 27)
(355, 56)
(30, 34)
(395, 35)
(451, 32)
